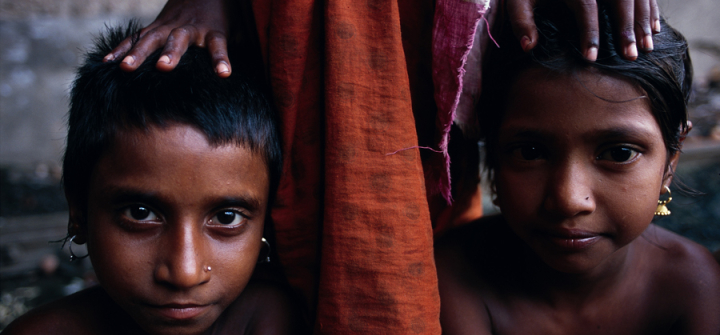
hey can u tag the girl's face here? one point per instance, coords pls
(578, 177)
(174, 226)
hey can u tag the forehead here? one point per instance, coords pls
(585, 101)
(179, 159)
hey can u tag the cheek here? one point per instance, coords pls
(518, 193)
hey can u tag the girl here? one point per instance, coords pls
(579, 154)
(168, 177)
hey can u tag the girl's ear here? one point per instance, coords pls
(77, 225)
(672, 164)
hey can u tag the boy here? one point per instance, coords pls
(168, 177)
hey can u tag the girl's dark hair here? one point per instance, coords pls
(665, 74)
(105, 100)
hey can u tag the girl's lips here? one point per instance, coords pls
(571, 239)
(574, 244)
(181, 312)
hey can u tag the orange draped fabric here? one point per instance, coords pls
(353, 226)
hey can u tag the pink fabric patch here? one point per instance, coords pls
(455, 25)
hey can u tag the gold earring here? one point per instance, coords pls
(662, 209)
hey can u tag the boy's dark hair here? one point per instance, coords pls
(105, 100)
(665, 74)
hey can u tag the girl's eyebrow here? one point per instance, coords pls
(631, 132)
(622, 132)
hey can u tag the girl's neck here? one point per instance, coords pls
(576, 288)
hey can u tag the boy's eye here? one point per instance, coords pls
(228, 218)
(140, 213)
(619, 154)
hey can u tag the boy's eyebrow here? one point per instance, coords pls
(248, 202)
(121, 194)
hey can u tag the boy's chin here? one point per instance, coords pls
(155, 325)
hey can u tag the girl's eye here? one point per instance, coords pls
(529, 152)
(619, 154)
(140, 213)
(228, 218)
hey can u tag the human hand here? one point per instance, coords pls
(636, 21)
(180, 24)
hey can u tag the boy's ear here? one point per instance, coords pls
(77, 224)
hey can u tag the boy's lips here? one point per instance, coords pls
(180, 311)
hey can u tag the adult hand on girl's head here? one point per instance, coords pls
(180, 24)
(636, 21)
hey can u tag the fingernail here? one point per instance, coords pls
(164, 59)
(108, 58)
(591, 53)
(129, 60)
(631, 51)
(525, 43)
(648, 43)
(222, 68)
(656, 26)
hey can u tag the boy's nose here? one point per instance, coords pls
(570, 190)
(182, 261)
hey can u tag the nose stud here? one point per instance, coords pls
(208, 269)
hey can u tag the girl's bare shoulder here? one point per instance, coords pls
(75, 314)
(676, 256)
(471, 261)
(684, 275)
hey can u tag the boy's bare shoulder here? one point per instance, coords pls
(687, 274)
(263, 308)
(73, 314)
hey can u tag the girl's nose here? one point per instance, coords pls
(182, 258)
(570, 190)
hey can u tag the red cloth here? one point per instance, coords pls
(352, 82)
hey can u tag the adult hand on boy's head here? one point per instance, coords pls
(636, 21)
(180, 24)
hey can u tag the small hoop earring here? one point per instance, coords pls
(73, 257)
(266, 258)
(662, 209)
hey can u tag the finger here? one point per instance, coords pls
(124, 46)
(521, 17)
(655, 16)
(626, 28)
(643, 32)
(217, 46)
(176, 45)
(146, 45)
(119, 50)
(586, 15)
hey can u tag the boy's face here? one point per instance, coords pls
(174, 225)
(577, 177)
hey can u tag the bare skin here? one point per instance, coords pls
(204, 23)
(577, 180)
(491, 282)
(262, 308)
